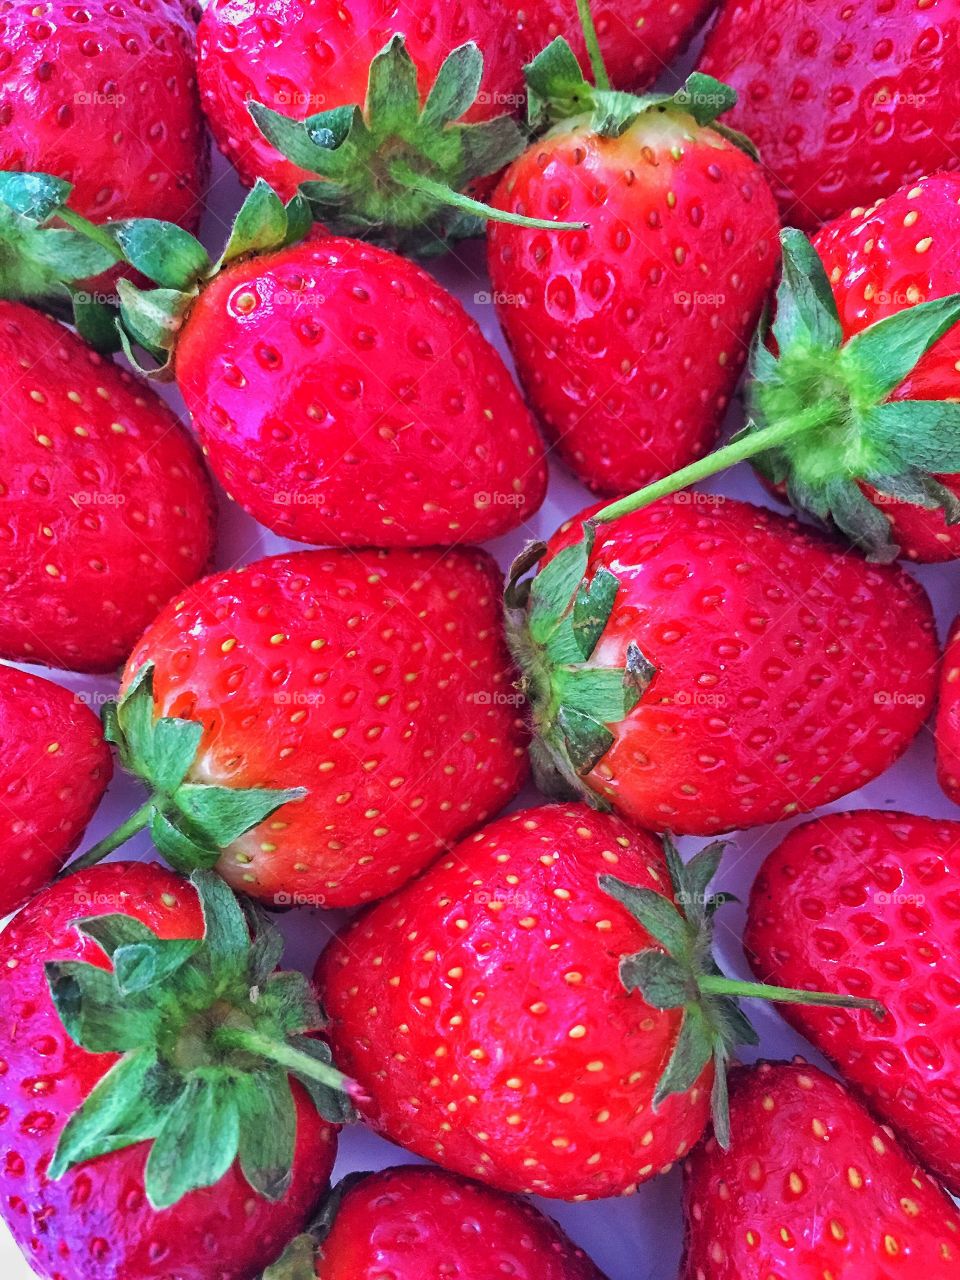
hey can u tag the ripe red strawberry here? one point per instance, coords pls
(369, 694)
(148, 1128)
(416, 1223)
(629, 337)
(865, 903)
(812, 1187)
(104, 94)
(105, 508)
(853, 419)
(541, 1010)
(704, 664)
(947, 727)
(843, 103)
(340, 393)
(54, 769)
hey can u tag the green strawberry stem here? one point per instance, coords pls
(456, 200)
(126, 830)
(93, 232)
(282, 1053)
(597, 64)
(717, 985)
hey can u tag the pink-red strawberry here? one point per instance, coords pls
(702, 664)
(416, 1223)
(104, 94)
(148, 1127)
(629, 336)
(319, 725)
(844, 102)
(865, 903)
(105, 508)
(852, 413)
(54, 770)
(947, 725)
(541, 1010)
(811, 1187)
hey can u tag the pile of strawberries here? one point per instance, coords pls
(527, 999)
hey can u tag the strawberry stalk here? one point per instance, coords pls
(594, 52)
(821, 422)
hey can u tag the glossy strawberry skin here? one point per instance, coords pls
(789, 672)
(416, 1223)
(105, 508)
(504, 1046)
(843, 103)
(379, 681)
(95, 1223)
(343, 396)
(882, 261)
(629, 337)
(302, 57)
(811, 1187)
(866, 903)
(947, 727)
(54, 770)
(104, 94)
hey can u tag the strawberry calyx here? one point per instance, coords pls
(190, 823)
(210, 1033)
(554, 623)
(49, 254)
(821, 423)
(395, 170)
(299, 1260)
(680, 972)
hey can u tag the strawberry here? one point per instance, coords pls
(811, 1188)
(864, 903)
(340, 393)
(54, 770)
(104, 94)
(163, 1112)
(947, 727)
(368, 694)
(541, 1009)
(417, 1223)
(852, 413)
(703, 664)
(105, 508)
(629, 337)
(843, 103)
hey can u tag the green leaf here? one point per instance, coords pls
(226, 934)
(141, 965)
(123, 1108)
(720, 1099)
(924, 434)
(267, 1117)
(889, 350)
(266, 948)
(488, 146)
(224, 814)
(261, 223)
(592, 608)
(314, 150)
(604, 694)
(197, 1143)
(35, 196)
(299, 219)
(297, 1262)
(919, 490)
(456, 87)
(331, 129)
(705, 98)
(585, 740)
(173, 748)
(332, 1104)
(111, 932)
(393, 98)
(162, 251)
(639, 672)
(552, 590)
(556, 86)
(152, 317)
(93, 1011)
(691, 1053)
(863, 523)
(70, 255)
(805, 291)
(173, 838)
(653, 911)
(288, 999)
(96, 323)
(662, 982)
(699, 873)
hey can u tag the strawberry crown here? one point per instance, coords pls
(821, 422)
(299, 1260)
(190, 823)
(395, 170)
(679, 972)
(209, 1034)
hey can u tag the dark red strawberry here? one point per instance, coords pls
(104, 94)
(417, 1223)
(811, 1188)
(629, 336)
(368, 694)
(947, 727)
(54, 769)
(852, 413)
(844, 102)
(105, 508)
(865, 903)
(162, 1109)
(541, 1009)
(704, 664)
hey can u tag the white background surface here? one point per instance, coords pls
(630, 1239)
